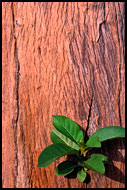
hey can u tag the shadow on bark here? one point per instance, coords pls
(114, 173)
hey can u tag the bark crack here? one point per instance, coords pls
(15, 119)
(120, 118)
(101, 23)
(100, 30)
(88, 120)
(119, 109)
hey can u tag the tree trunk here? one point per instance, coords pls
(60, 58)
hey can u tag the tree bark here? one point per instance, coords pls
(60, 58)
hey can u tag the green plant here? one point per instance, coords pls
(68, 139)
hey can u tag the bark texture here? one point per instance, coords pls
(60, 58)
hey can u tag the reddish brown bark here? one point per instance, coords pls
(63, 58)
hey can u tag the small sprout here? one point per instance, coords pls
(68, 139)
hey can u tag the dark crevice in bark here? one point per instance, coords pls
(46, 177)
(104, 10)
(31, 163)
(17, 77)
(55, 175)
(68, 183)
(120, 118)
(100, 30)
(88, 120)
(15, 120)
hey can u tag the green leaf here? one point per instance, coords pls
(101, 157)
(56, 136)
(81, 175)
(65, 168)
(108, 133)
(52, 153)
(95, 163)
(93, 142)
(68, 128)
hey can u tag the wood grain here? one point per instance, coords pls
(63, 58)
